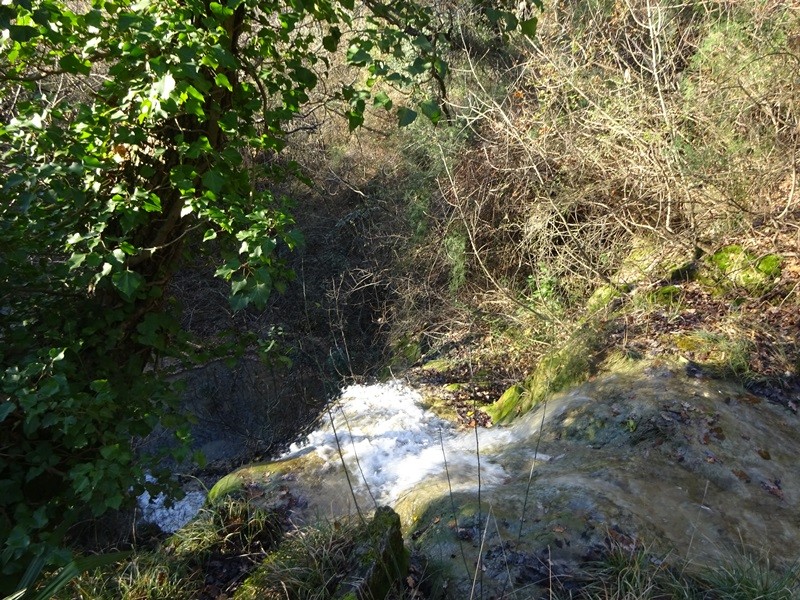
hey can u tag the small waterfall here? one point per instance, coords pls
(390, 443)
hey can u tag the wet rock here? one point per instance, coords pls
(381, 559)
(647, 456)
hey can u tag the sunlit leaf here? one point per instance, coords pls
(430, 108)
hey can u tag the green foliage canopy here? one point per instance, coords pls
(127, 131)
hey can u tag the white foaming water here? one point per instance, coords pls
(391, 443)
(169, 518)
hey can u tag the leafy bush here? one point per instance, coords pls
(131, 135)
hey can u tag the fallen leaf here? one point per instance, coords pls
(773, 488)
(741, 475)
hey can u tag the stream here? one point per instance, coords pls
(648, 454)
(390, 444)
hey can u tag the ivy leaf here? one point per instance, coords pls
(405, 116)
(6, 408)
(382, 99)
(430, 108)
(528, 27)
(127, 282)
(261, 293)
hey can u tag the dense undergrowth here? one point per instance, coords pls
(631, 173)
(626, 182)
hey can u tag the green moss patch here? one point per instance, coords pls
(720, 354)
(666, 295)
(556, 371)
(735, 267)
(601, 298)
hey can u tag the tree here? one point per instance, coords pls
(129, 130)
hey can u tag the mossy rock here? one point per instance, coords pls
(735, 267)
(441, 407)
(650, 260)
(438, 365)
(601, 298)
(227, 486)
(556, 371)
(406, 351)
(505, 408)
(665, 295)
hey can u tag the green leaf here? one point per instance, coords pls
(423, 43)
(493, 15)
(6, 408)
(331, 41)
(75, 261)
(223, 12)
(357, 55)
(22, 33)
(419, 66)
(405, 116)
(127, 282)
(222, 80)
(528, 27)
(430, 108)
(355, 120)
(72, 64)
(213, 180)
(441, 67)
(152, 203)
(228, 269)
(510, 20)
(49, 388)
(238, 286)
(164, 86)
(261, 293)
(382, 99)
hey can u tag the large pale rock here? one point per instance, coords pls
(649, 455)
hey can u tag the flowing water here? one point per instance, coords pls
(390, 444)
(647, 454)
